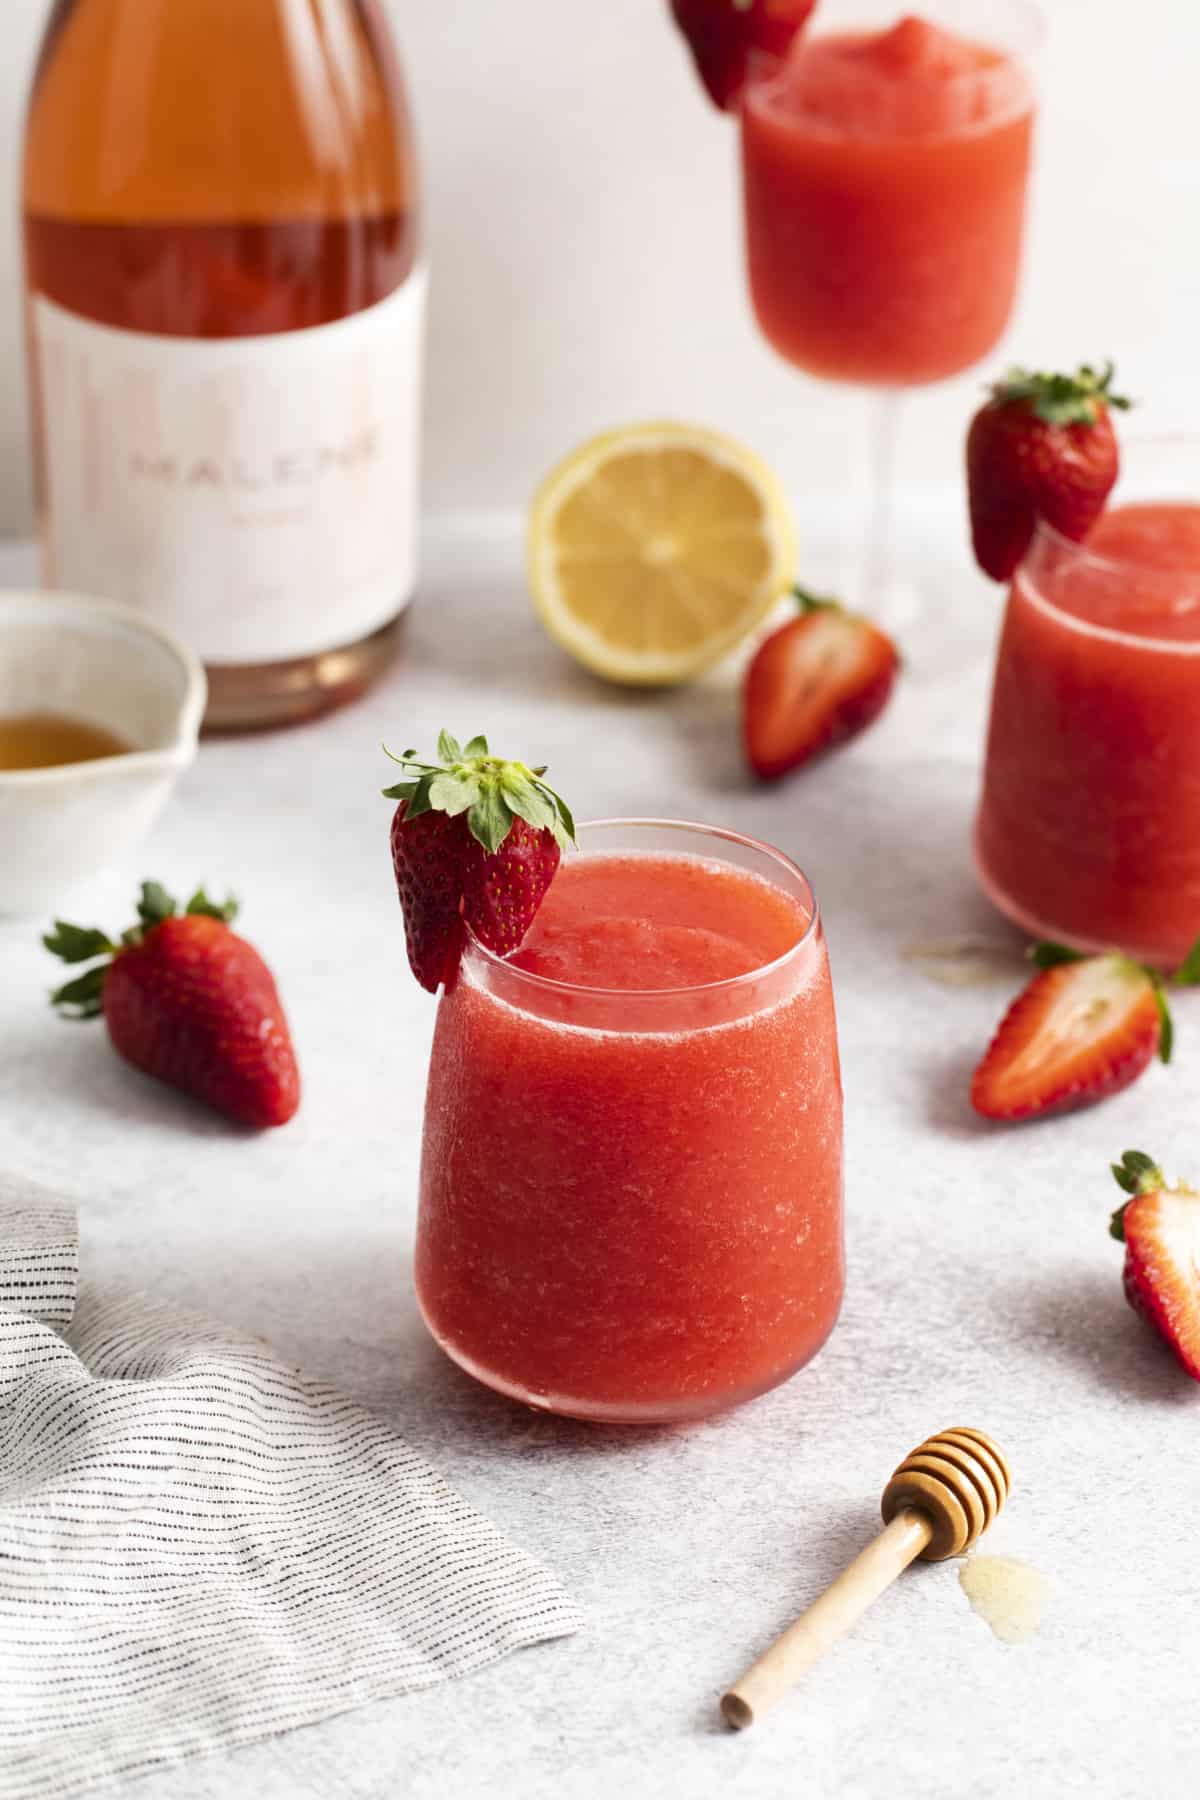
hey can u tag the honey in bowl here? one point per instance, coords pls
(47, 740)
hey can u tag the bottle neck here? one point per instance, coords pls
(142, 111)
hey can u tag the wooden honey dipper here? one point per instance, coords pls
(943, 1497)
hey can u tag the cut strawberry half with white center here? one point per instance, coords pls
(815, 682)
(1160, 1228)
(1084, 1028)
(476, 840)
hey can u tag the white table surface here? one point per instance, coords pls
(983, 1287)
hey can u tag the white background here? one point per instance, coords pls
(587, 267)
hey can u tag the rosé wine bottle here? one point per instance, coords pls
(224, 318)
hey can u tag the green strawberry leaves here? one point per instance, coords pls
(83, 997)
(73, 944)
(448, 795)
(490, 818)
(1056, 399)
(1188, 972)
(1048, 955)
(154, 905)
(1135, 1174)
(492, 791)
(808, 602)
(1166, 1024)
(200, 905)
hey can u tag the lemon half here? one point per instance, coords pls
(656, 548)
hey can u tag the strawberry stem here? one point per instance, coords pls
(491, 790)
(1135, 1174)
(1048, 954)
(1166, 1033)
(809, 602)
(1078, 399)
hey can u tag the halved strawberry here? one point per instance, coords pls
(475, 840)
(1042, 447)
(502, 893)
(723, 34)
(1160, 1228)
(1084, 1027)
(430, 854)
(815, 682)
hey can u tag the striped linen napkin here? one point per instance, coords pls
(200, 1546)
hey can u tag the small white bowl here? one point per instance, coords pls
(108, 666)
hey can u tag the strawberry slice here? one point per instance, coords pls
(816, 681)
(1160, 1228)
(723, 35)
(1043, 447)
(475, 841)
(1084, 1027)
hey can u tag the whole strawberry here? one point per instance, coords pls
(189, 1002)
(476, 841)
(723, 35)
(1160, 1229)
(1043, 447)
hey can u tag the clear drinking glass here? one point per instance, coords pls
(1089, 823)
(885, 171)
(631, 1197)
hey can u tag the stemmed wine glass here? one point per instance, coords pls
(885, 168)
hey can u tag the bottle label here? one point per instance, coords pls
(257, 495)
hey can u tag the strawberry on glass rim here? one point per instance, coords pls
(723, 35)
(476, 840)
(1159, 1226)
(1042, 447)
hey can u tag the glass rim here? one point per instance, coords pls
(1114, 567)
(1120, 565)
(549, 984)
(1032, 24)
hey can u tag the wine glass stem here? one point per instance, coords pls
(877, 569)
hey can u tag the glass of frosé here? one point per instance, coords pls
(1089, 821)
(885, 164)
(631, 1182)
